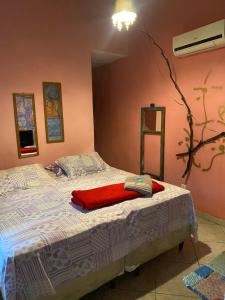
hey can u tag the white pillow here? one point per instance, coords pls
(83, 164)
(25, 177)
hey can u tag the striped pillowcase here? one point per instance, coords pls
(141, 184)
(81, 165)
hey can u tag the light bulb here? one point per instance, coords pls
(124, 15)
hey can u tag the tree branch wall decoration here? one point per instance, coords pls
(193, 144)
(218, 148)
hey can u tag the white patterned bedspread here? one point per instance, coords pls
(45, 240)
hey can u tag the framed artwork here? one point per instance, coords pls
(52, 94)
(25, 122)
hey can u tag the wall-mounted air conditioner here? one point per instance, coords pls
(205, 38)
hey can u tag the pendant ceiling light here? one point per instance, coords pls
(124, 14)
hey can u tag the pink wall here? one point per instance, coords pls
(48, 40)
(122, 88)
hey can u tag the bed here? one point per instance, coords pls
(52, 249)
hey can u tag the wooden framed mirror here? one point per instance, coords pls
(152, 141)
(25, 123)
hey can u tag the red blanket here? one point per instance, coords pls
(28, 150)
(108, 195)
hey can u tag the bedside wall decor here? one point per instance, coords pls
(152, 124)
(192, 147)
(214, 145)
(52, 94)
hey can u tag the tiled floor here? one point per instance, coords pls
(161, 278)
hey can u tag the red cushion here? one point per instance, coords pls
(108, 195)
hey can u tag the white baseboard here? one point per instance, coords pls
(210, 218)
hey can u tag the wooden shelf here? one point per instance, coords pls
(152, 124)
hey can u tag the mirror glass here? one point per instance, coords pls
(152, 120)
(25, 121)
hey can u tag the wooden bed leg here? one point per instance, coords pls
(181, 246)
(112, 284)
(137, 272)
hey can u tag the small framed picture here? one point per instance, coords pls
(52, 94)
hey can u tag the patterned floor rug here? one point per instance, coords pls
(208, 281)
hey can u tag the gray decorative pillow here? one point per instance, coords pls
(25, 177)
(56, 169)
(141, 184)
(83, 164)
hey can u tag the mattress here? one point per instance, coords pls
(45, 240)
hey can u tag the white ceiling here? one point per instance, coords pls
(100, 58)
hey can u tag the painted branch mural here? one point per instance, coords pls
(218, 140)
(194, 144)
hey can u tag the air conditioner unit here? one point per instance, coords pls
(205, 38)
